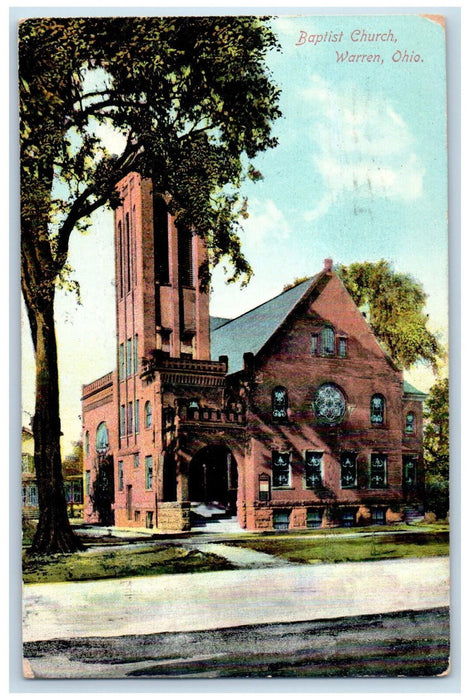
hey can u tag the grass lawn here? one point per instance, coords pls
(119, 562)
(331, 546)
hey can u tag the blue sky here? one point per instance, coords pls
(360, 173)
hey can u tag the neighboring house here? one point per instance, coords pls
(290, 416)
(73, 480)
(28, 475)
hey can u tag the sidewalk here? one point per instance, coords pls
(202, 601)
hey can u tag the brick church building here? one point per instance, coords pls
(290, 416)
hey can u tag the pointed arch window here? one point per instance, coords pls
(377, 409)
(102, 438)
(280, 403)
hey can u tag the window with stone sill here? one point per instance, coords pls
(313, 469)
(281, 469)
(348, 470)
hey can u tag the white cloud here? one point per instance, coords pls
(363, 147)
(265, 223)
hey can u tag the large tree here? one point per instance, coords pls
(396, 311)
(194, 102)
(436, 448)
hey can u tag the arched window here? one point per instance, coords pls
(148, 414)
(280, 403)
(328, 341)
(87, 443)
(377, 409)
(102, 438)
(410, 423)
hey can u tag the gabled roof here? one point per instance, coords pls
(252, 330)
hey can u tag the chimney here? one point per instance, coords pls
(328, 265)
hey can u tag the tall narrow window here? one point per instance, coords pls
(314, 344)
(348, 470)
(129, 357)
(120, 476)
(128, 253)
(328, 341)
(122, 421)
(281, 469)
(313, 469)
(279, 403)
(136, 461)
(136, 353)
(130, 418)
(409, 471)
(102, 438)
(87, 443)
(160, 240)
(185, 256)
(148, 414)
(342, 347)
(121, 362)
(410, 423)
(377, 410)
(137, 417)
(378, 471)
(87, 482)
(148, 472)
(121, 261)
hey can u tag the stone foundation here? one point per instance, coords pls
(173, 516)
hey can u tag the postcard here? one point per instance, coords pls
(235, 426)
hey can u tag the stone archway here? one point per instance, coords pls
(213, 478)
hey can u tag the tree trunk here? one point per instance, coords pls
(54, 533)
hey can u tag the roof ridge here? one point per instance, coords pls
(254, 308)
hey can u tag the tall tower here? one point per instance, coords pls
(159, 304)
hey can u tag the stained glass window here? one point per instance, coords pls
(378, 471)
(410, 423)
(409, 471)
(348, 470)
(279, 403)
(329, 404)
(281, 469)
(377, 409)
(313, 469)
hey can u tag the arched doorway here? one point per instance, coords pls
(213, 478)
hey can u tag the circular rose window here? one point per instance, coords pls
(329, 404)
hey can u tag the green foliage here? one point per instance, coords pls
(396, 308)
(191, 97)
(436, 448)
(73, 464)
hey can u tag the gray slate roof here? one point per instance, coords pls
(216, 322)
(251, 331)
